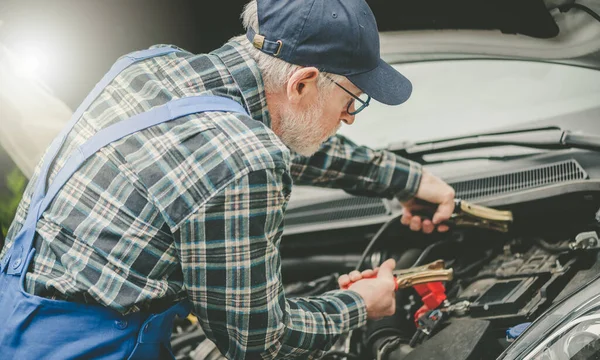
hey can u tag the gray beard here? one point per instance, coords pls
(303, 132)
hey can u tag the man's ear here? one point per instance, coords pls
(302, 83)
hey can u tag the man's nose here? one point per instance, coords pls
(348, 119)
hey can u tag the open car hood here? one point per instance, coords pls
(552, 31)
(542, 33)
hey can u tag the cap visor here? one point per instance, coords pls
(384, 84)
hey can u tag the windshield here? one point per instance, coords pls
(459, 97)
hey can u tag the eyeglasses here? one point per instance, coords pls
(359, 103)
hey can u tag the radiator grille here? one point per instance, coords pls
(343, 209)
(555, 173)
(358, 207)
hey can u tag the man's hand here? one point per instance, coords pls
(376, 287)
(346, 280)
(433, 195)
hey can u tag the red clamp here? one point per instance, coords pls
(420, 275)
(433, 295)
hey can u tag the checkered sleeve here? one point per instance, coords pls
(232, 272)
(340, 163)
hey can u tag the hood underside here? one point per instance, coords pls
(554, 31)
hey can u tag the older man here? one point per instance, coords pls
(167, 192)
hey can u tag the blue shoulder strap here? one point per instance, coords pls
(172, 110)
(115, 70)
(57, 143)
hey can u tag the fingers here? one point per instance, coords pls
(355, 275)
(385, 270)
(406, 216)
(444, 211)
(415, 223)
(405, 219)
(344, 281)
(434, 192)
(368, 273)
(428, 226)
(443, 228)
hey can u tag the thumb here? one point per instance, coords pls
(385, 270)
(444, 211)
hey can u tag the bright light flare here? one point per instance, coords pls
(27, 64)
(26, 61)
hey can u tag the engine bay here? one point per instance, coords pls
(501, 282)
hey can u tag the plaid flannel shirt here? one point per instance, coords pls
(194, 208)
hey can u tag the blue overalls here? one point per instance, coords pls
(32, 327)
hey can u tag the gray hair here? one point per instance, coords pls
(275, 72)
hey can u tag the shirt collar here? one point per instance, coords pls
(244, 71)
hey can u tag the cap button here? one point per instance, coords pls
(121, 324)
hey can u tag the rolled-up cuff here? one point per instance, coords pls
(355, 309)
(413, 181)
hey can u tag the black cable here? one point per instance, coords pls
(453, 290)
(373, 240)
(321, 288)
(425, 253)
(568, 7)
(378, 234)
(551, 248)
(488, 256)
(339, 354)
(428, 249)
(416, 338)
(313, 287)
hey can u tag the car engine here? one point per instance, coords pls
(502, 280)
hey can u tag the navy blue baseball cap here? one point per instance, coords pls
(335, 36)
